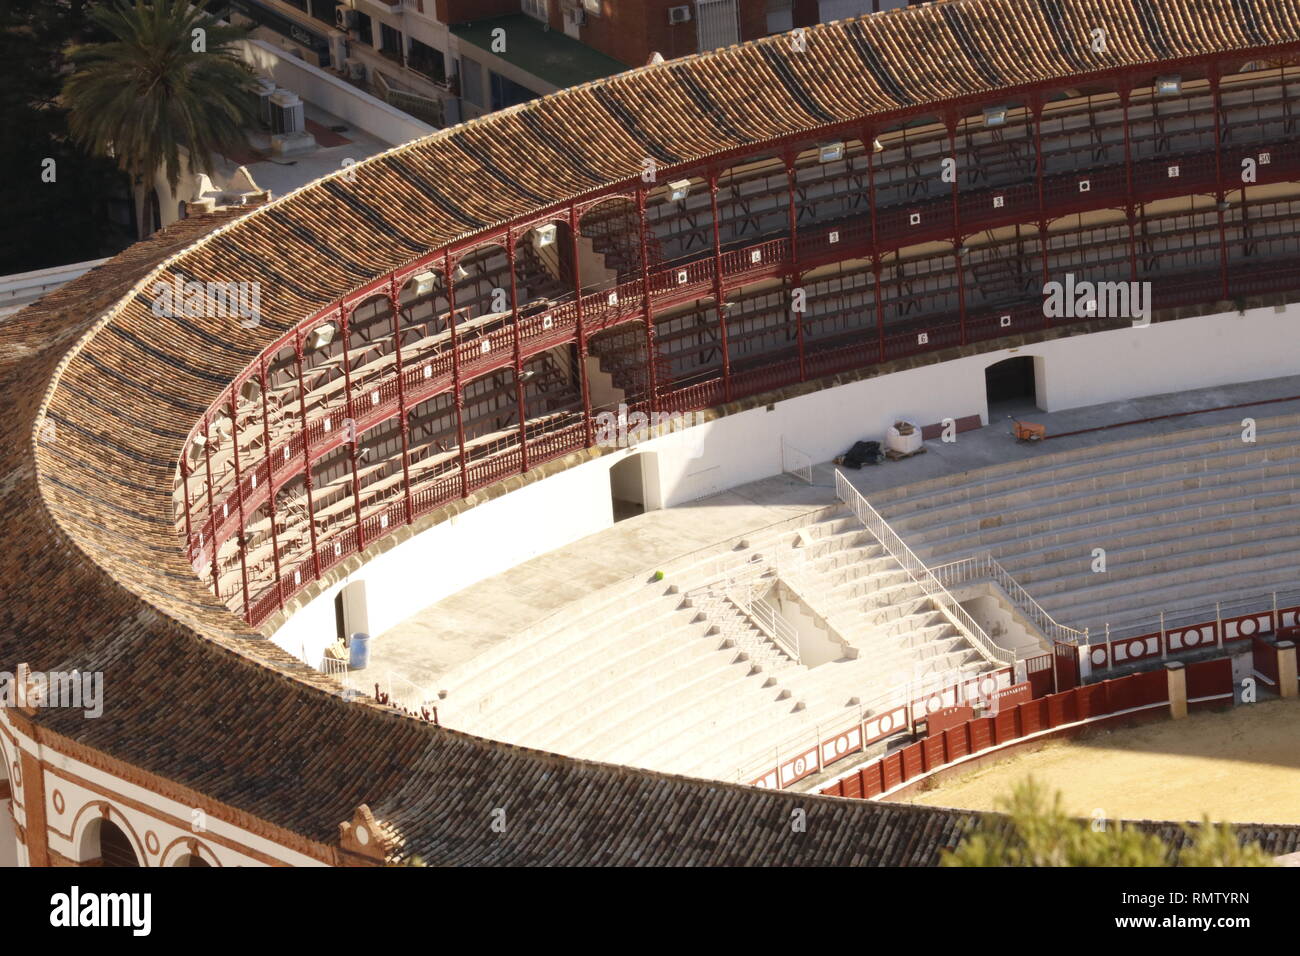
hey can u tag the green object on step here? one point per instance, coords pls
(659, 575)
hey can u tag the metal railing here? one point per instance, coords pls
(1203, 613)
(406, 694)
(770, 622)
(985, 567)
(796, 462)
(916, 569)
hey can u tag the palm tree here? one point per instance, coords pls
(170, 79)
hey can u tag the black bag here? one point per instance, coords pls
(863, 453)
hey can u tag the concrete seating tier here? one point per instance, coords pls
(1185, 518)
(674, 675)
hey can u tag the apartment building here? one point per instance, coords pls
(446, 61)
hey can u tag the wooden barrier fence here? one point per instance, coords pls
(1208, 683)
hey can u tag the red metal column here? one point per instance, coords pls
(346, 332)
(270, 477)
(647, 307)
(1036, 109)
(212, 509)
(869, 144)
(1221, 196)
(518, 353)
(1130, 209)
(718, 291)
(956, 226)
(395, 307)
(306, 455)
(589, 434)
(239, 496)
(185, 493)
(458, 396)
(795, 276)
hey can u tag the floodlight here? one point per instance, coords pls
(832, 152)
(423, 283)
(995, 115)
(1169, 85)
(320, 336)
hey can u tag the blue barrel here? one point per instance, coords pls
(359, 652)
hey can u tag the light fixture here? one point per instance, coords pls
(877, 146)
(545, 235)
(1169, 85)
(995, 115)
(832, 152)
(679, 189)
(963, 251)
(461, 274)
(527, 375)
(423, 283)
(320, 336)
(1223, 206)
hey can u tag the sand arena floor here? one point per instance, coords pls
(1241, 766)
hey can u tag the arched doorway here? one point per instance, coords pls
(192, 860)
(8, 838)
(106, 844)
(1011, 387)
(627, 487)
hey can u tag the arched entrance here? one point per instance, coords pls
(106, 844)
(8, 838)
(627, 487)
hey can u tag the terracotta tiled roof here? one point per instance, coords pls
(95, 577)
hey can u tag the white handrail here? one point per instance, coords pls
(771, 623)
(984, 566)
(919, 573)
(795, 461)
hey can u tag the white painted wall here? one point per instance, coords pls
(472, 546)
(1072, 372)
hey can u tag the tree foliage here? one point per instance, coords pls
(170, 78)
(1035, 830)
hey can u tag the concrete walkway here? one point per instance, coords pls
(458, 628)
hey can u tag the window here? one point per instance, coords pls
(364, 29)
(471, 81)
(843, 9)
(536, 8)
(780, 16)
(716, 24)
(506, 92)
(428, 61)
(390, 42)
(323, 10)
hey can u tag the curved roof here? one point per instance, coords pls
(192, 695)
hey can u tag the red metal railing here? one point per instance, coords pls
(479, 352)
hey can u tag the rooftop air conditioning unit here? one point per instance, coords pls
(356, 70)
(344, 18)
(265, 87)
(679, 15)
(286, 112)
